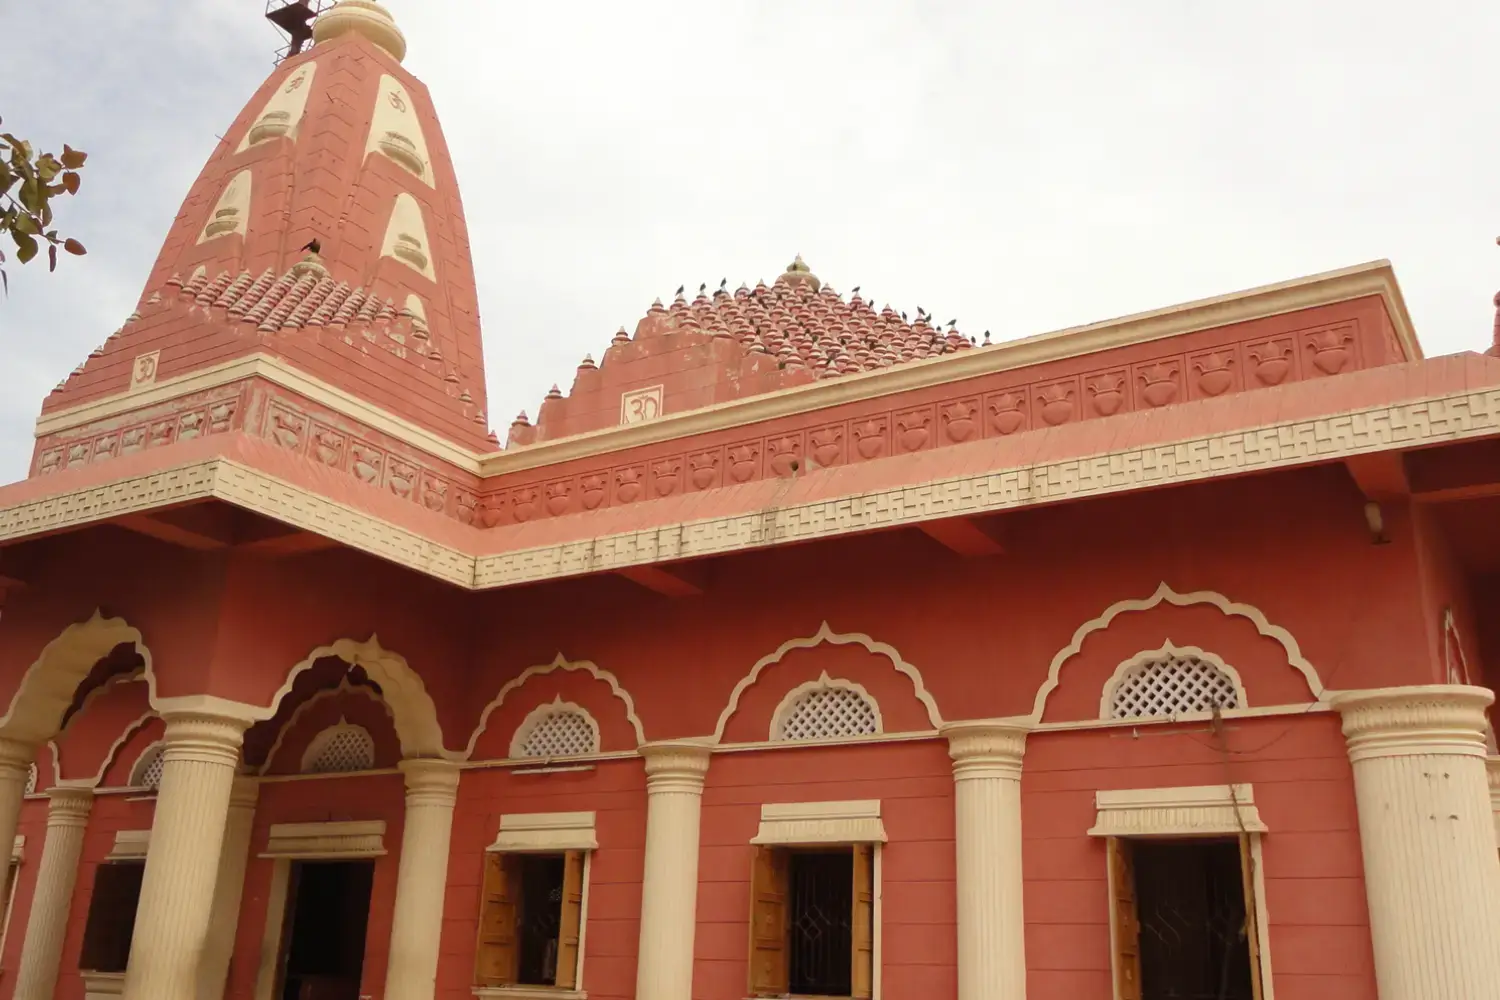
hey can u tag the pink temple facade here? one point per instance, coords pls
(802, 647)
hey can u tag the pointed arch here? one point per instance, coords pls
(290, 726)
(410, 705)
(46, 691)
(1165, 594)
(558, 663)
(826, 634)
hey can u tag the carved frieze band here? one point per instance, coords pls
(1449, 418)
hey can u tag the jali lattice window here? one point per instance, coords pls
(562, 732)
(31, 780)
(340, 748)
(1172, 685)
(147, 770)
(829, 712)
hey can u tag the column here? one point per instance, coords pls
(1432, 874)
(182, 864)
(229, 884)
(987, 804)
(669, 894)
(15, 768)
(67, 820)
(421, 879)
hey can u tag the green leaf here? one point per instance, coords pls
(30, 196)
(26, 247)
(74, 247)
(25, 224)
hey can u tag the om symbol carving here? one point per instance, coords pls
(294, 83)
(397, 101)
(640, 405)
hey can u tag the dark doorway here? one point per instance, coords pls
(328, 906)
(818, 925)
(1190, 896)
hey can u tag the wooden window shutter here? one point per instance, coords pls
(497, 958)
(1252, 934)
(570, 924)
(862, 924)
(769, 974)
(1127, 923)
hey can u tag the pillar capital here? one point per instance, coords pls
(429, 779)
(69, 805)
(208, 737)
(986, 748)
(1447, 719)
(16, 756)
(676, 765)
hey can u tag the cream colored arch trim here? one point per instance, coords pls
(144, 762)
(823, 683)
(1168, 649)
(545, 711)
(822, 635)
(318, 745)
(1165, 594)
(36, 710)
(345, 686)
(411, 706)
(560, 663)
(114, 749)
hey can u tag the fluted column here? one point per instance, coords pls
(15, 768)
(1432, 874)
(421, 879)
(987, 805)
(67, 820)
(182, 864)
(669, 894)
(1492, 771)
(229, 885)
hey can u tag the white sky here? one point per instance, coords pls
(1020, 166)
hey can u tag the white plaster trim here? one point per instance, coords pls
(345, 686)
(118, 745)
(528, 993)
(1195, 811)
(46, 690)
(268, 970)
(558, 663)
(1169, 650)
(327, 735)
(130, 845)
(796, 823)
(826, 634)
(546, 833)
(1165, 593)
(102, 985)
(357, 839)
(142, 764)
(1453, 642)
(411, 706)
(823, 683)
(545, 711)
(18, 848)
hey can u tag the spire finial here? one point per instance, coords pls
(798, 273)
(361, 17)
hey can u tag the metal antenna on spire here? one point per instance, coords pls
(294, 19)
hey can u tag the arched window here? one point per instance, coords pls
(147, 770)
(339, 748)
(556, 730)
(826, 710)
(1170, 683)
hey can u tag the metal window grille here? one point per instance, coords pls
(563, 733)
(829, 713)
(819, 923)
(344, 748)
(1171, 686)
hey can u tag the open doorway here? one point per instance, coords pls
(323, 936)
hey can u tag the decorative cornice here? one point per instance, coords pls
(130, 845)
(203, 737)
(800, 823)
(357, 839)
(987, 748)
(1204, 810)
(1439, 719)
(557, 831)
(676, 766)
(1375, 278)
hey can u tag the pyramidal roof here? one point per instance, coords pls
(326, 229)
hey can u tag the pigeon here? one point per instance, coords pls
(313, 245)
(681, 289)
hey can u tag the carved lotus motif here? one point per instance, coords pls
(742, 462)
(219, 417)
(827, 445)
(161, 433)
(104, 448)
(77, 453)
(591, 490)
(402, 480)
(628, 485)
(524, 504)
(704, 469)
(1159, 384)
(1330, 350)
(869, 438)
(49, 461)
(1006, 415)
(558, 497)
(286, 430)
(784, 453)
(958, 421)
(1215, 374)
(366, 464)
(667, 476)
(1057, 404)
(190, 426)
(1108, 392)
(434, 494)
(1272, 360)
(328, 447)
(465, 507)
(132, 440)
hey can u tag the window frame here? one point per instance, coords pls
(1205, 812)
(17, 852)
(88, 919)
(498, 860)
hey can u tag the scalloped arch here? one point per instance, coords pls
(344, 687)
(1165, 594)
(411, 706)
(822, 635)
(559, 663)
(36, 711)
(1168, 648)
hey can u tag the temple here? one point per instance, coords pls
(802, 647)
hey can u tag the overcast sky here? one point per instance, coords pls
(1020, 166)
